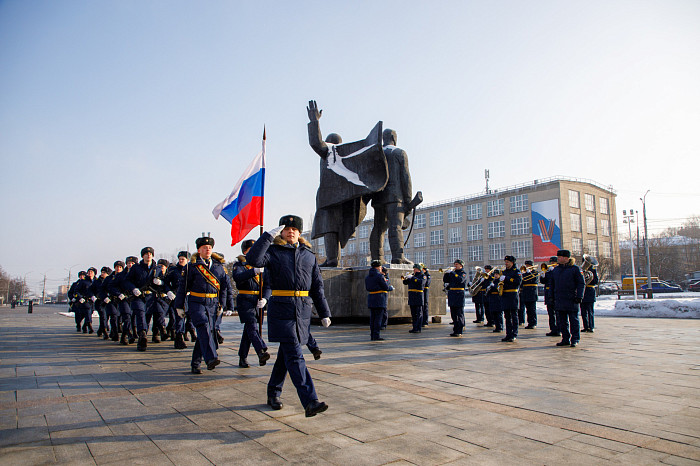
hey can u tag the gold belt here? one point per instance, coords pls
(510, 291)
(204, 295)
(295, 293)
(457, 289)
(248, 292)
(377, 292)
(416, 291)
(590, 286)
(426, 287)
(147, 292)
(528, 284)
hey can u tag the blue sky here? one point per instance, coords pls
(122, 123)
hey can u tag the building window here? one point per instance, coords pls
(521, 250)
(590, 225)
(320, 241)
(407, 256)
(455, 235)
(575, 222)
(497, 251)
(419, 240)
(474, 212)
(604, 227)
(343, 252)
(497, 229)
(364, 231)
(436, 218)
(520, 226)
(604, 208)
(589, 199)
(453, 254)
(454, 215)
(606, 249)
(351, 248)
(437, 237)
(322, 251)
(362, 261)
(494, 208)
(518, 203)
(475, 232)
(437, 256)
(576, 246)
(574, 200)
(475, 253)
(420, 221)
(592, 247)
(387, 257)
(420, 257)
(364, 247)
(387, 246)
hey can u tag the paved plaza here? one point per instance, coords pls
(627, 395)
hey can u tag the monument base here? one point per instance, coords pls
(347, 297)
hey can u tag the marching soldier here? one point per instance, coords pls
(494, 302)
(567, 287)
(416, 283)
(248, 303)
(528, 294)
(546, 279)
(295, 281)
(79, 295)
(111, 302)
(138, 280)
(172, 278)
(201, 286)
(588, 303)
(426, 309)
(485, 296)
(478, 300)
(160, 301)
(378, 288)
(96, 291)
(509, 300)
(455, 283)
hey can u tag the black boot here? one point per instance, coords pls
(219, 336)
(90, 330)
(243, 362)
(180, 341)
(193, 337)
(105, 334)
(156, 335)
(143, 341)
(114, 335)
(263, 357)
(77, 328)
(172, 334)
(99, 331)
(164, 335)
(124, 340)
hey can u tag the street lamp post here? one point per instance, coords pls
(629, 220)
(646, 244)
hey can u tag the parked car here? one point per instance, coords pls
(608, 288)
(694, 286)
(661, 286)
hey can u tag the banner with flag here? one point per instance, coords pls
(243, 208)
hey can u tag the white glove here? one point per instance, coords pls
(259, 269)
(406, 277)
(93, 299)
(502, 279)
(81, 300)
(137, 292)
(170, 295)
(181, 313)
(121, 296)
(106, 300)
(276, 231)
(391, 288)
(326, 321)
(157, 281)
(72, 300)
(261, 303)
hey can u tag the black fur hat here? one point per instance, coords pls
(82, 273)
(292, 221)
(106, 270)
(147, 249)
(119, 264)
(204, 241)
(247, 244)
(564, 253)
(93, 269)
(375, 263)
(133, 259)
(183, 254)
(509, 259)
(163, 262)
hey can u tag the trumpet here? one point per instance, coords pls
(478, 281)
(589, 262)
(528, 268)
(447, 270)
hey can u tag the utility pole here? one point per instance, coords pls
(646, 244)
(629, 220)
(43, 292)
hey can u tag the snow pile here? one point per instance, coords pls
(675, 308)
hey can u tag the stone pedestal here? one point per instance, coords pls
(347, 297)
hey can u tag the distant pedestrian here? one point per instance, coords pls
(567, 288)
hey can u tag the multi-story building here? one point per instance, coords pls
(529, 221)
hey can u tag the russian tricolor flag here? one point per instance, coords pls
(243, 208)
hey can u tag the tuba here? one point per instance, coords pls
(589, 262)
(477, 282)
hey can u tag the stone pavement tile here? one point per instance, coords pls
(369, 433)
(542, 433)
(71, 420)
(149, 460)
(128, 452)
(25, 435)
(336, 439)
(248, 453)
(363, 454)
(588, 449)
(641, 456)
(328, 421)
(417, 449)
(678, 461)
(294, 444)
(457, 444)
(674, 448)
(554, 454)
(31, 421)
(216, 416)
(494, 458)
(69, 436)
(77, 453)
(28, 456)
(603, 443)
(187, 457)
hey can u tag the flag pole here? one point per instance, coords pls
(262, 211)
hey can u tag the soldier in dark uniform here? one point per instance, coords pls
(295, 281)
(528, 294)
(248, 304)
(426, 310)
(111, 302)
(588, 303)
(415, 283)
(485, 296)
(494, 302)
(385, 316)
(567, 287)
(478, 300)
(138, 280)
(96, 293)
(378, 288)
(227, 288)
(172, 278)
(118, 290)
(201, 286)
(78, 293)
(455, 282)
(160, 301)
(546, 280)
(509, 299)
